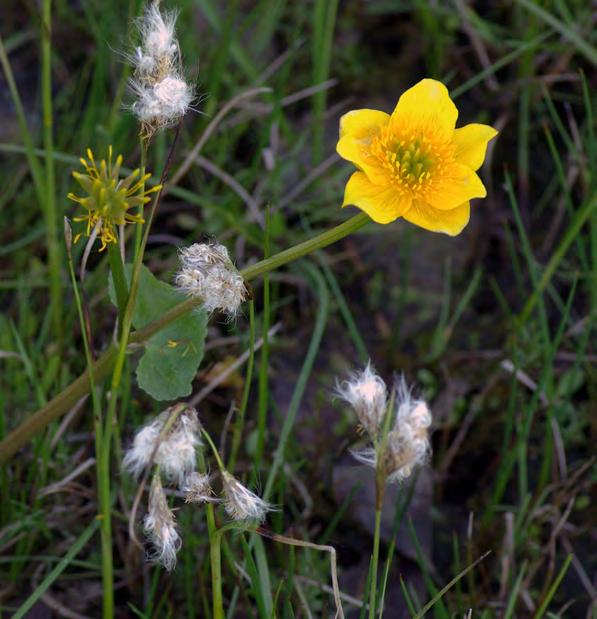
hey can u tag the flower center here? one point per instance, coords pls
(114, 202)
(412, 162)
(412, 157)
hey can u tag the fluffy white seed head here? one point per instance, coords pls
(366, 393)
(207, 272)
(407, 444)
(240, 503)
(198, 488)
(160, 527)
(161, 94)
(173, 451)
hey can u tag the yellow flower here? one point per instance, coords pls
(109, 198)
(414, 163)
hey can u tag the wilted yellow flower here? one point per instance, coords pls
(109, 199)
(414, 163)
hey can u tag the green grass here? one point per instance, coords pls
(499, 324)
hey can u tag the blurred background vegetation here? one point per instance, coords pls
(496, 326)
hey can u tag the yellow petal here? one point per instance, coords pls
(382, 203)
(449, 222)
(459, 185)
(358, 152)
(427, 102)
(471, 144)
(357, 129)
(362, 124)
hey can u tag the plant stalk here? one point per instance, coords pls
(215, 542)
(49, 203)
(103, 476)
(374, 564)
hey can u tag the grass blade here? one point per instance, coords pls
(443, 591)
(47, 582)
(587, 50)
(554, 587)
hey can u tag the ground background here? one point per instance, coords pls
(497, 326)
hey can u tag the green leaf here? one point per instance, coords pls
(169, 364)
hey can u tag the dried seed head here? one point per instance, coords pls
(174, 450)
(160, 527)
(407, 444)
(367, 394)
(197, 488)
(208, 273)
(162, 96)
(240, 503)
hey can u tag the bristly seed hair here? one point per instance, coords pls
(366, 393)
(240, 503)
(160, 526)
(208, 273)
(198, 488)
(175, 454)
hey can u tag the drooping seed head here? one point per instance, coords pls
(174, 452)
(160, 527)
(240, 503)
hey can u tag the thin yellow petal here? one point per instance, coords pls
(470, 144)
(450, 222)
(459, 185)
(382, 203)
(427, 102)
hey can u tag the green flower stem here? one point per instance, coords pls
(306, 247)
(139, 229)
(103, 476)
(66, 399)
(374, 564)
(214, 449)
(380, 490)
(54, 249)
(215, 554)
(262, 384)
(240, 418)
(118, 277)
(215, 559)
(381, 479)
